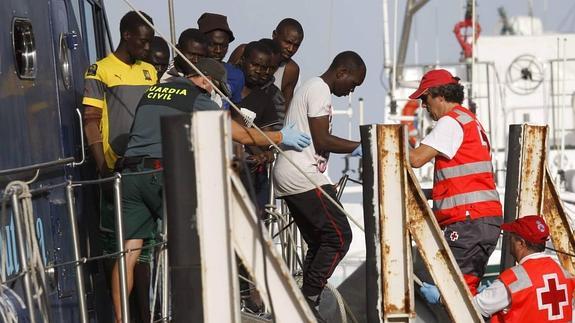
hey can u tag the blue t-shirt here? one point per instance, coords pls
(236, 83)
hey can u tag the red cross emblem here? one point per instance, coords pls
(552, 297)
(454, 236)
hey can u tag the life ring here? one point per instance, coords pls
(466, 46)
(410, 110)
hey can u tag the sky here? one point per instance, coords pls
(334, 26)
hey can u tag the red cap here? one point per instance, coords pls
(531, 228)
(433, 78)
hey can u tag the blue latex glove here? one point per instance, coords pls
(430, 293)
(483, 287)
(294, 138)
(357, 152)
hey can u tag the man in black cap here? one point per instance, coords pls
(220, 35)
(142, 193)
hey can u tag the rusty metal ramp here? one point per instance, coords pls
(356, 299)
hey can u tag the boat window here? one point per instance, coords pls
(24, 48)
(64, 58)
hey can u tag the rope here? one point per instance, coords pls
(158, 270)
(340, 301)
(3, 252)
(35, 264)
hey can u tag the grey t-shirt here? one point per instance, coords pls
(175, 97)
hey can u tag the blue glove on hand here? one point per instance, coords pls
(357, 152)
(483, 287)
(430, 293)
(294, 138)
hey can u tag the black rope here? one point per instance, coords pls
(284, 228)
(561, 252)
(355, 181)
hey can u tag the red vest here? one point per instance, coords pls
(541, 291)
(464, 186)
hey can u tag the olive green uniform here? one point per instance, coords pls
(142, 200)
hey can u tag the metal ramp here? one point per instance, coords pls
(396, 213)
(215, 223)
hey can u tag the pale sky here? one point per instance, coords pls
(334, 26)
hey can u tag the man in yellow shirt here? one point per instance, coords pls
(113, 88)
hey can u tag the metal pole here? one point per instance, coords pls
(271, 206)
(76, 248)
(163, 257)
(349, 116)
(563, 106)
(361, 110)
(172, 23)
(22, 253)
(386, 49)
(553, 116)
(120, 241)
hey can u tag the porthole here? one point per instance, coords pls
(24, 48)
(64, 58)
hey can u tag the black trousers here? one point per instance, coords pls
(326, 231)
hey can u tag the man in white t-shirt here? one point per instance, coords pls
(323, 226)
(465, 199)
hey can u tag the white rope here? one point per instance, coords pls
(158, 271)
(176, 50)
(3, 242)
(340, 302)
(11, 306)
(35, 262)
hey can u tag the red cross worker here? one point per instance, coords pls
(537, 289)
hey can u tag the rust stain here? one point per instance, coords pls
(390, 308)
(407, 301)
(560, 231)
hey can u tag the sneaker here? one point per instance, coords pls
(313, 303)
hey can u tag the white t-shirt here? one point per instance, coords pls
(279, 76)
(312, 99)
(446, 137)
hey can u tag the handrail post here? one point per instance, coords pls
(23, 257)
(120, 243)
(76, 248)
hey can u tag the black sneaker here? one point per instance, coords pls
(314, 306)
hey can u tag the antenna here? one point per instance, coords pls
(506, 29)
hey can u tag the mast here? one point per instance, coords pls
(172, 23)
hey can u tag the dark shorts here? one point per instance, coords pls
(142, 203)
(472, 242)
(109, 247)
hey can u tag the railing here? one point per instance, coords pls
(14, 194)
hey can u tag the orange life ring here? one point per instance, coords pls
(410, 109)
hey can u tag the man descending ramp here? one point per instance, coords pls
(324, 227)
